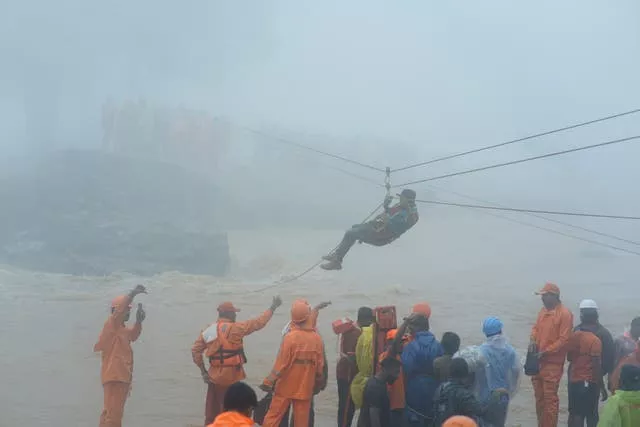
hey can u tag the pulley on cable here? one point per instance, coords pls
(383, 229)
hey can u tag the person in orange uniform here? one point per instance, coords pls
(584, 353)
(396, 389)
(222, 343)
(298, 369)
(549, 338)
(239, 403)
(117, 356)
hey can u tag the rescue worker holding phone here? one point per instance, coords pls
(222, 343)
(114, 343)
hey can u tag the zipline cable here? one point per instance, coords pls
(305, 147)
(536, 211)
(513, 141)
(571, 236)
(542, 217)
(528, 159)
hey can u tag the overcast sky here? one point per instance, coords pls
(422, 78)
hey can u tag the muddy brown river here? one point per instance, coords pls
(480, 267)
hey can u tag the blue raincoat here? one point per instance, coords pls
(421, 384)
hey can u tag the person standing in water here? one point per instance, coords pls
(549, 338)
(117, 356)
(382, 230)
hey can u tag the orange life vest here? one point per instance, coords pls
(221, 352)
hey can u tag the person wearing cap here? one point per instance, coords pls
(590, 321)
(499, 369)
(584, 353)
(549, 338)
(418, 356)
(623, 408)
(298, 370)
(223, 344)
(114, 343)
(382, 230)
(396, 389)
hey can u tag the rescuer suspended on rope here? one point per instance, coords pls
(380, 231)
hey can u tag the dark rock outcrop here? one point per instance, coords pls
(84, 212)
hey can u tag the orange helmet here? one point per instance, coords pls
(459, 421)
(422, 308)
(391, 334)
(300, 311)
(120, 300)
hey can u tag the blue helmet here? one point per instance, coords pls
(492, 326)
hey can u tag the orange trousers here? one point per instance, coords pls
(545, 388)
(280, 405)
(115, 396)
(214, 402)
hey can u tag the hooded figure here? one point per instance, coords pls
(298, 371)
(499, 367)
(623, 408)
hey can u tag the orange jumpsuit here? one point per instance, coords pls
(223, 376)
(298, 370)
(117, 363)
(551, 334)
(232, 419)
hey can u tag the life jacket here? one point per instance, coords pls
(220, 351)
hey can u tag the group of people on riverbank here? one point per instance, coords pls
(394, 373)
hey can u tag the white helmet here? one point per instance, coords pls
(588, 303)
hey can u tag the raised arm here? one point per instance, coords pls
(242, 329)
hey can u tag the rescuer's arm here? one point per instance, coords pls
(242, 329)
(283, 362)
(322, 373)
(316, 311)
(534, 336)
(116, 318)
(136, 330)
(197, 349)
(565, 330)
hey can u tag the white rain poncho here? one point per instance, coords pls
(498, 367)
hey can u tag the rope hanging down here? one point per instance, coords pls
(542, 217)
(528, 159)
(309, 269)
(497, 208)
(513, 141)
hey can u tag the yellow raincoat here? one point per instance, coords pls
(364, 361)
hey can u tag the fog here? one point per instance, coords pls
(383, 84)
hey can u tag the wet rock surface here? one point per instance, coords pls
(90, 213)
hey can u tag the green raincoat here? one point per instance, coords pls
(621, 410)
